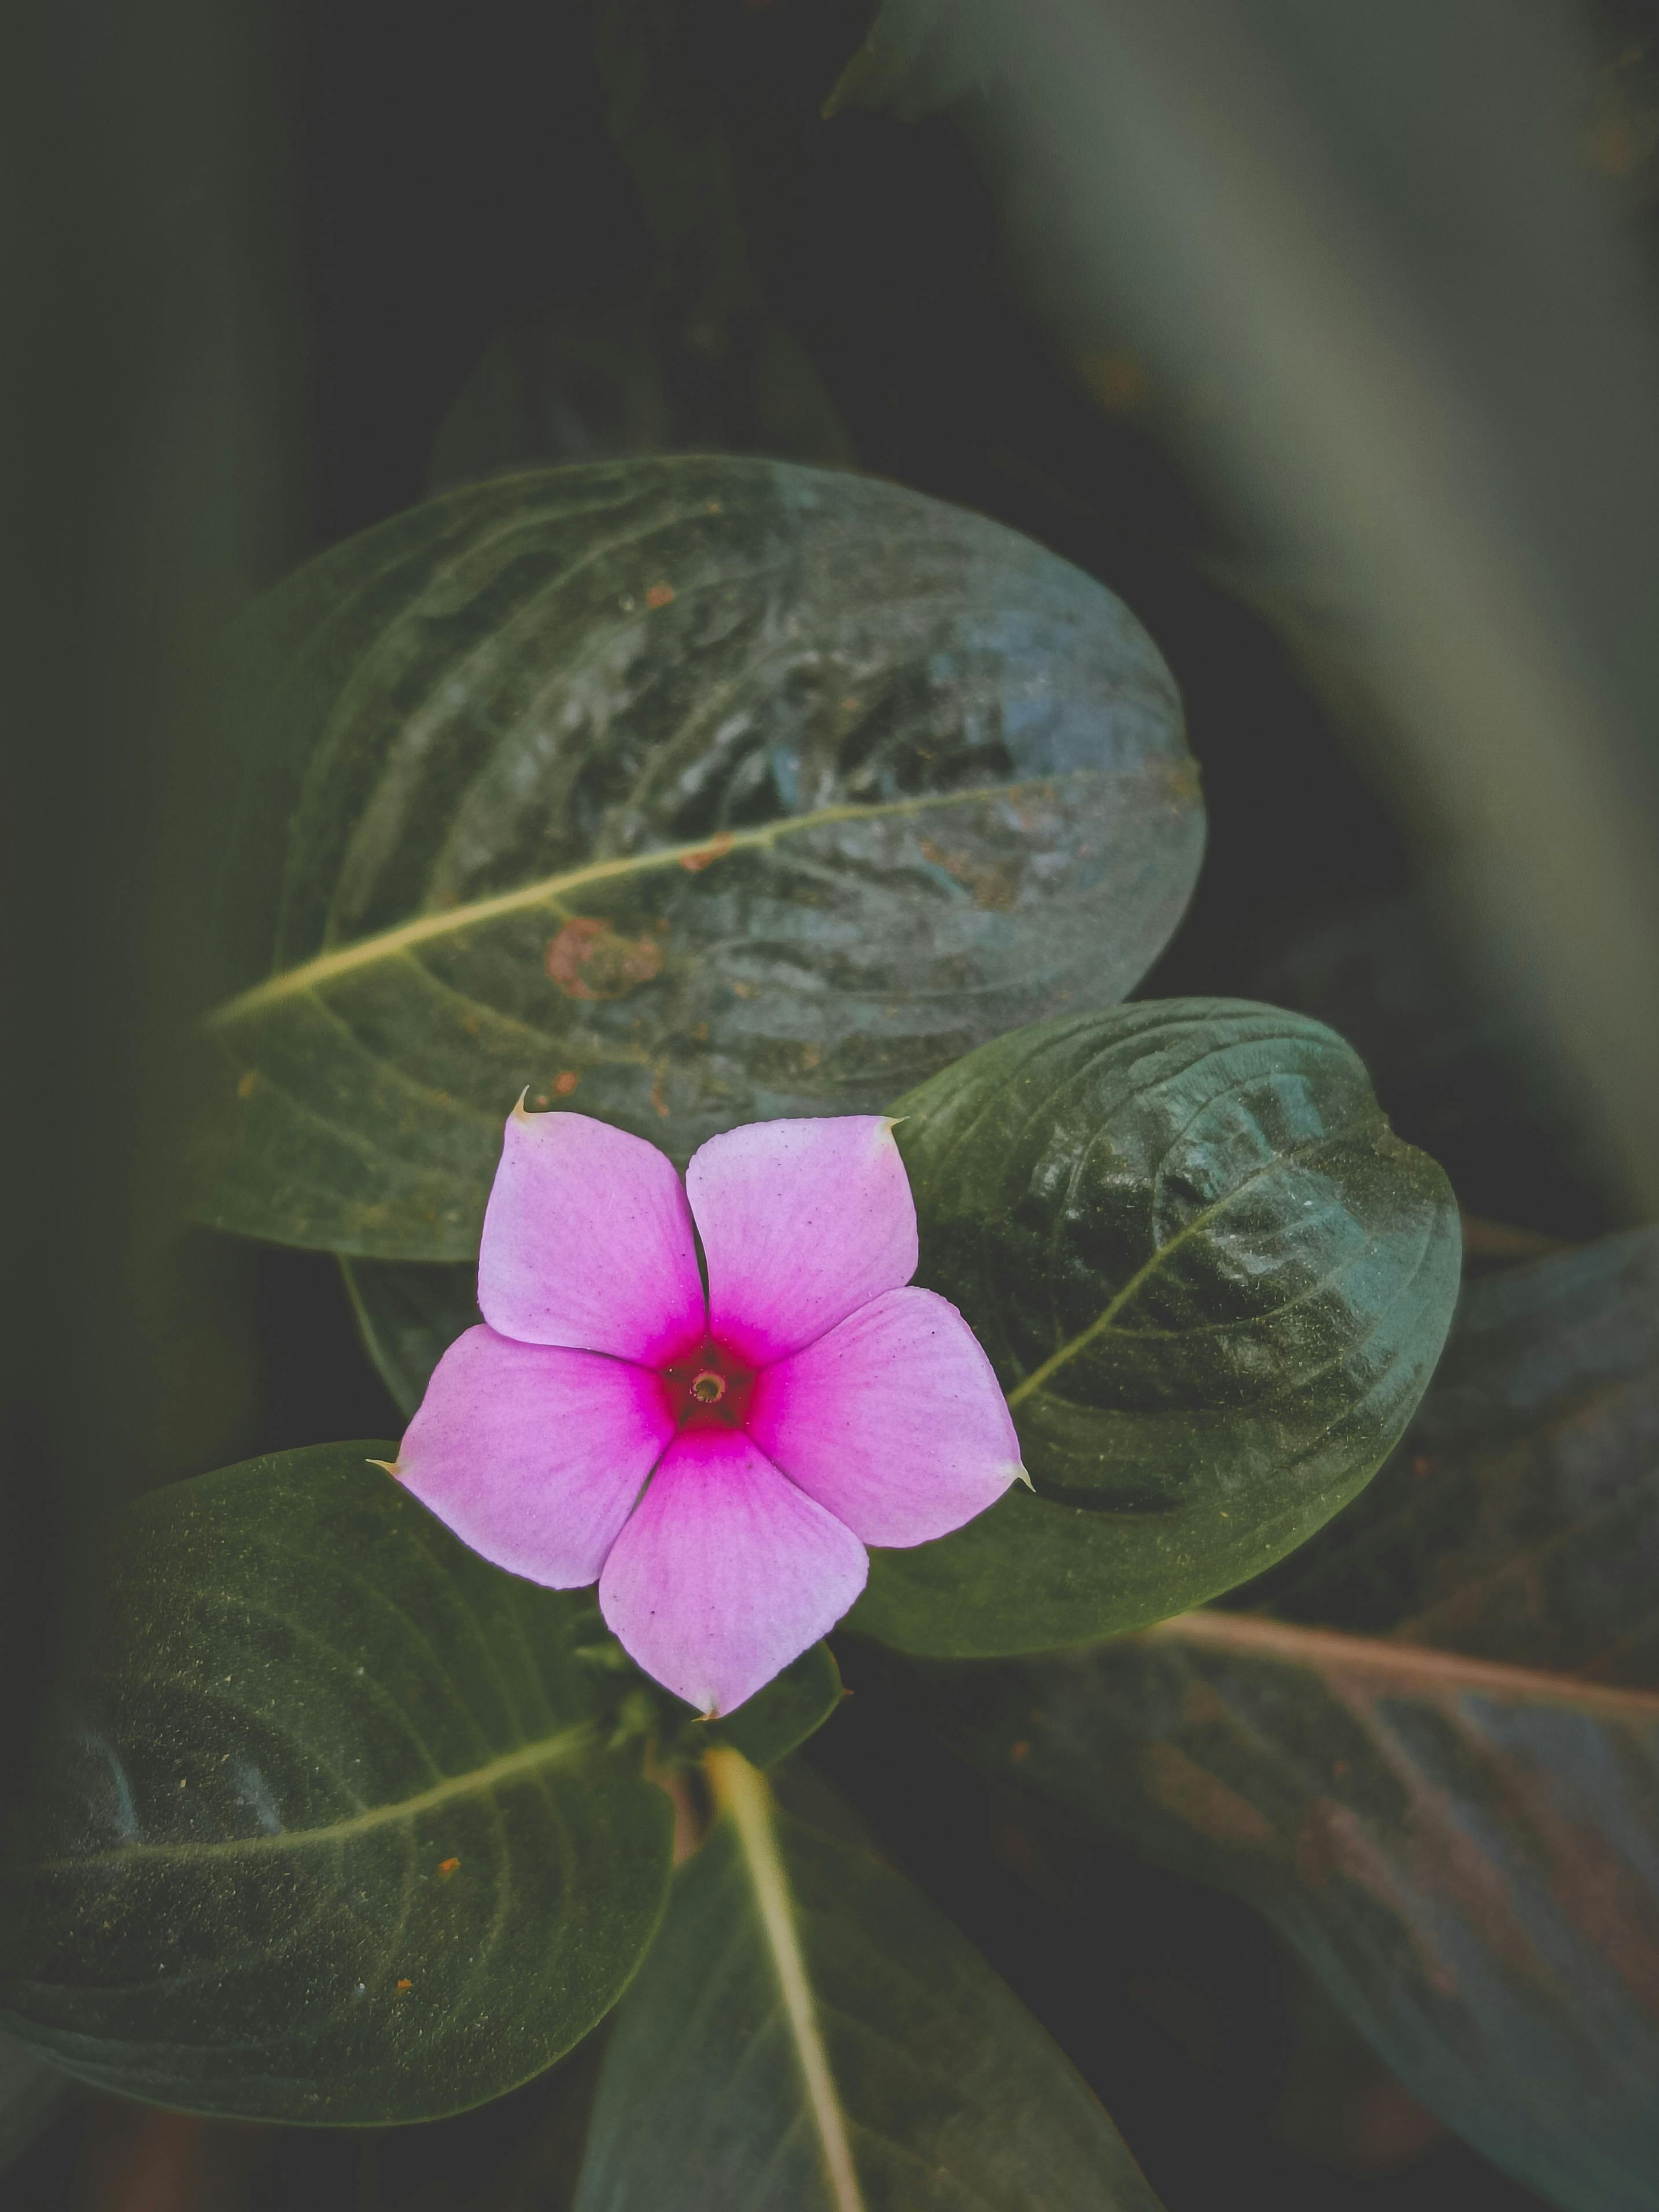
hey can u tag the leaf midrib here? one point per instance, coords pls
(554, 1750)
(390, 944)
(745, 1797)
(1419, 1666)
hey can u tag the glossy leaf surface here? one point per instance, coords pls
(811, 2035)
(1464, 1847)
(1213, 1283)
(335, 1828)
(692, 791)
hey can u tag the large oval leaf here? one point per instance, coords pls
(1461, 1844)
(1213, 1284)
(693, 790)
(1463, 1852)
(332, 1830)
(811, 2035)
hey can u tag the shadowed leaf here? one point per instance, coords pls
(408, 1314)
(1464, 1848)
(1213, 1283)
(333, 1828)
(690, 791)
(811, 2035)
(1519, 1520)
(1465, 1854)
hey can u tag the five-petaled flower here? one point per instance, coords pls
(716, 1460)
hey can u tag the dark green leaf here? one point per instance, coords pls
(334, 1828)
(791, 1707)
(809, 2035)
(1213, 1283)
(409, 1314)
(691, 791)
(1464, 1854)
(1461, 1845)
(1519, 1520)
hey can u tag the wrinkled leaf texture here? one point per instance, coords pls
(1463, 1846)
(1212, 1281)
(334, 1828)
(689, 791)
(811, 2035)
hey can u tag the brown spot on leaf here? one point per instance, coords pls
(565, 1081)
(249, 1084)
(404, 1984)
(993, 884)
(717, 849)
(660, 595)
(588, 959)
(446, 1867)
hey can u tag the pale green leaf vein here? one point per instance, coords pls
(529, 1760)
(344, 960)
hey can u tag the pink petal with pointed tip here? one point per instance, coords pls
(801, 1222)
(725, 1572)
(534, 1454)
(588, 1242)
(894, 1421)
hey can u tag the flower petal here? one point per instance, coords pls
(802, 1222)
(588, 1242)
(726, 1571)
(894, 1421)
(534, 1454)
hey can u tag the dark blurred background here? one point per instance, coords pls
(277, 270)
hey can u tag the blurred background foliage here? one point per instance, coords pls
(1323, 335)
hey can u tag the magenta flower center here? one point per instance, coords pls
(710, 1389)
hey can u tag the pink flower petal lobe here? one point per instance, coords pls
(588, 1242)
(894, 1421)
(533, 1454)
(801, 1222)
(725, 1572)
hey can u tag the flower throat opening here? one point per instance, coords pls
(710, 1389)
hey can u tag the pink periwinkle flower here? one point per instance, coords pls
(718, 1463)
